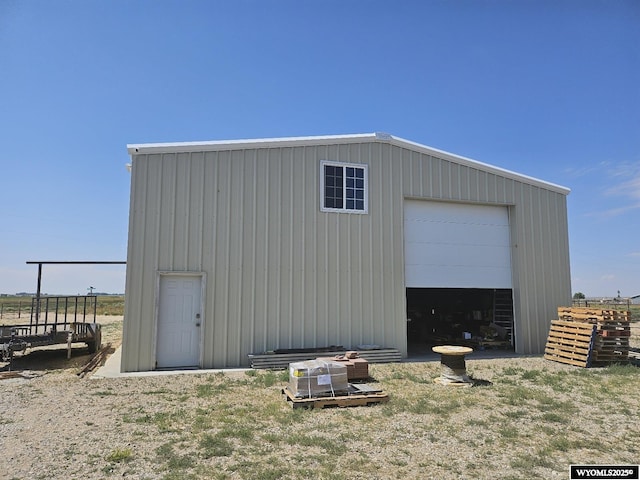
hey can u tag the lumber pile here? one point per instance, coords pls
(275, 361)
(98, 359)
(586, 336)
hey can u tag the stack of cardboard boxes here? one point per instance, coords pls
(315, 378)
(325, 376)
(357, 368)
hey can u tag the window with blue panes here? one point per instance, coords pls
(343, 187)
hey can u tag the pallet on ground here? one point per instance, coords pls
(571, 333)
(356, 395)
(609, 362)
(568, 358)
(611, 359)
(634, 356)
(610, 338)
(570, 343)
(611, 354)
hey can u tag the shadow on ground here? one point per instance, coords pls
(52, 358)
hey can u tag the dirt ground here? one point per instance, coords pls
(55, 425)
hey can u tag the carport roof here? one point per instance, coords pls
(226, 145)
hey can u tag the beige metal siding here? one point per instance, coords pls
(283, 274)
(541, 264)
(539, 225)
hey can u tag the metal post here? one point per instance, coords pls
(31, 314)
(38, 296)
(46, 312)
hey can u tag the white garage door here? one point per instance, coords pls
(456, 245)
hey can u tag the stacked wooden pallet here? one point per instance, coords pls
(610, 337)
(634, 356)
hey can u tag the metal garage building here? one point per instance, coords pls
(239, 247)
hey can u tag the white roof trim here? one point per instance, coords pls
(219, 145)
(224, 145)
(479, 165)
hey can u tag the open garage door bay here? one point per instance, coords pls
(457, 275)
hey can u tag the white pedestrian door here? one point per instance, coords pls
(179, 321)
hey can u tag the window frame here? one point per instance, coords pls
(344, 166)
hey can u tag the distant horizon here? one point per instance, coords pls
(97, 294)
(43, 294)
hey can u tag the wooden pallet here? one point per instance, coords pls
(608, 358)
(611, 343)
(602, 343)
(634, 356)
(358, 395)
(5, 375)
(593, 314)
(281, 361)
(609, 331)
(570, 343)
(611, 356)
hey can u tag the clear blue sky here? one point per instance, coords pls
(550, 89)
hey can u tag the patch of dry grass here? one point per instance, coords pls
(532, 420)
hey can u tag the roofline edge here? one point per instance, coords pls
(380, 137)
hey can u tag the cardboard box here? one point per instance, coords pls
(314, 378)
(357, 368)
(360, 368)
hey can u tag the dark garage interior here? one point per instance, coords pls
(476, 317)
